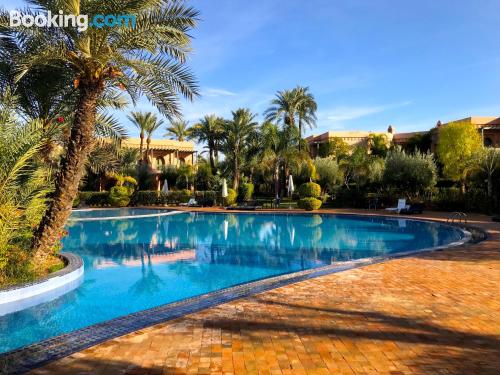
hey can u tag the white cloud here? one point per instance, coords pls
(346, 113)
(216, 92)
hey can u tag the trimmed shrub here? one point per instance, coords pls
(185, 195)
(310, 203)
(119, 196)
(245, 192)
(231, 197)
(309, 190)
(95, 198)
(147, 198)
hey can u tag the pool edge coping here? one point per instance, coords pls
(35, 355)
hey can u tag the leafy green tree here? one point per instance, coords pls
(209, 130)
(146, 59)
(234, 140)
(328, 173)
(458, 142)
(412, 174)
(336, 147)
(178, 130)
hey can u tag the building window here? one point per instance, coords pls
(488, 142)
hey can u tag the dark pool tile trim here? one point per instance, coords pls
(22, 360)
(72, 263)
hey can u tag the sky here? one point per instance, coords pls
(369, 64)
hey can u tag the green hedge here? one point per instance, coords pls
(309, 190)
(94, 198)
(155, 198)
(310, 204)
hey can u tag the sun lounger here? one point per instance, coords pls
(191, 203)
(401, 206)
(414, 208)
(249, 206)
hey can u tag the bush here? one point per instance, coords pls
(328, 173)
(148, 198)
(95, 198)
(205, 198)
(119, 196)
(231, 197)
(411, 174)
(185, 195)
(245, 192)
(203, 178)
(309, 190)
(310, 204)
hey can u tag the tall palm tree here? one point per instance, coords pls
(146, 58)
(153, 125)
(237, 133)
(306, 108)
(209, 130)
(279, 150)
(283, 109)
(292, 108)
(142, 121)
(178, 130)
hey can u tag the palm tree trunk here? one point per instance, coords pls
(72, 168)
(146, 156)
(141, 148)
(236, 179)
(300, 133)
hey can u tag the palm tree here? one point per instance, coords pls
(306, 108)
(209, 130)
(141, 122)
(291, 107)
(237, 133)
(147, 58)
(178, 130)
(279, 150)
(24, 182)
(487, 160)
(153, 125)
(283, 109)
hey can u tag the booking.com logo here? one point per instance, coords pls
(81, 21)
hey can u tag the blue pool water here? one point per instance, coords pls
(135, 264)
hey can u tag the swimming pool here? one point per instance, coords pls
(132, 265)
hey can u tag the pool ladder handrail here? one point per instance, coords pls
(459, 216)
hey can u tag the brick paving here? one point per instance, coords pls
(433, 313)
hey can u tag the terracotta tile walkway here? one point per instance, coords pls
(437, 313)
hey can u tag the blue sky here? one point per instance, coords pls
(368, 63)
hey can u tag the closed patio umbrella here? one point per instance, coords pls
(224, 189)
(165, 187)
(291, 188)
